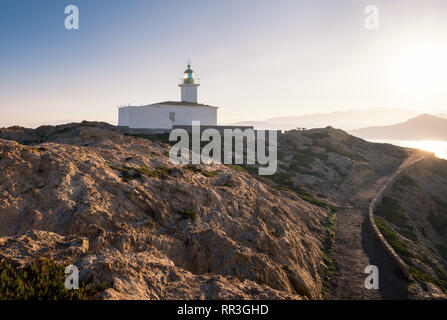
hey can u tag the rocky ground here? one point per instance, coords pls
(116, 207)
(332, 164)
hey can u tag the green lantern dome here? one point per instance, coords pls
(189, 76)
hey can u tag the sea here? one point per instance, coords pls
(438, 147)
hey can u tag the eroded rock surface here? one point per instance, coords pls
(116, 207)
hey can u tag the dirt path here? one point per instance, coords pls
(357, 247)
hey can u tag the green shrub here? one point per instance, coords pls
(43, 279)
(328, 255)
(392, 238)
(305, 158)
(390, 210)
(407, 181)
(251, 170)
(420, 275)
(409, 233)
(441, 282)
(158, 172)
(306, 196)
(196, 169)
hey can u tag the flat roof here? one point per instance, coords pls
(185, 104)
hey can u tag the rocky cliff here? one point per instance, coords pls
(116, 207)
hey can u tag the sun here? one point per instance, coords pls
(420, 69)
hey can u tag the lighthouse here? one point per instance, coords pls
(168, 114)
(189, 86)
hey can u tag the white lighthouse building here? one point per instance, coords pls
(165, 115)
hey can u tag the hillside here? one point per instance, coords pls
(115, 206)
(331, 163)
(346, 120)
(415, 214)
(423, 127)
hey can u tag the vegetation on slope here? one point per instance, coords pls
(328, 255)
(393, 219)
(43, 279)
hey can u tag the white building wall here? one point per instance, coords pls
(123, 117)
(189, 92)
(158, 116)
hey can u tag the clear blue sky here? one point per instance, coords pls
(256, 59)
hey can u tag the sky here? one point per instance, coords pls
(255, 59)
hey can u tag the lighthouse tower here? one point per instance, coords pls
(167, 115)
(189, 87)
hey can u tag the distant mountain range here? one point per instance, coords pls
(346, 120)
(423, 127)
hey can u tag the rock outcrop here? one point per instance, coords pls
(332, 164)
(115, 206)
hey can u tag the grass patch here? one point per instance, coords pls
(407, 181)
(328, 255)
(196, 169)
(305, 158)
(441, 282)
(43, 279)
(158, 172)
(392, 238)
(250, 170)
(352, 156)
(308, 197)
(390, 210)
(409, 234)
(420, 275)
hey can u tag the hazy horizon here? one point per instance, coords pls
(272, 59)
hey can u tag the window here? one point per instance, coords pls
(172, 116)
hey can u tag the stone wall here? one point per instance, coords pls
(400, 263)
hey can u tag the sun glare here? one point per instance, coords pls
(438, 147)
(420, 70)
